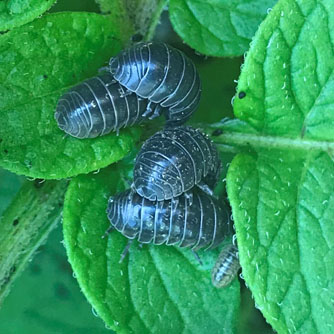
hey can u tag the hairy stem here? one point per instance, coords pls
(232, 138)
(155, 19)
(25, 226)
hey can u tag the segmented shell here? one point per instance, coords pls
(194, 220)
(226, 267)
(161, 74)
(98, 106)
(172, 161)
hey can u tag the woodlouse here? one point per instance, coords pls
(161, 74)
(226, 267)
(172, 161)
(205, 223)
(98, 106)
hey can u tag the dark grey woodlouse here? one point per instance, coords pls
(98, 106)
(205, 223)
(161, 74)
(172, 161)
(226, 267)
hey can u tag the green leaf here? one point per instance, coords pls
(14, 13)
(39, 62)
(156, 288)
(221, 28)
(281, 191)
(25, 225)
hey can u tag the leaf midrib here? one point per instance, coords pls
(267, 141)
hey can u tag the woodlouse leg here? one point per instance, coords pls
(104, 69)
(189, 198)
(124, 92)
(128, 182)
(175, 203)
(107, 231)
(203, 186)
(148, 110)
(132, 192)
(111, 83)
(157, 112)
(125, 251)
(197, 257)
(133, 187)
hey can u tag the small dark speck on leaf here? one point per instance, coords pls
(45, 76)
(64, 266)
(15, 222)
(6, 151)
(61, 291)
(242, 95)
(35, 269)
(0, 140)
(217, 132)
(41, 248)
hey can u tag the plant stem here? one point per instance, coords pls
(263, 141)
(25, 226)
(155, 19)
(242, 139)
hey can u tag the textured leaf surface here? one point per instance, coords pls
(282, 191)
(14, 13)
(39, 62)
(25, 225)
(156, 288)
(218, 27)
